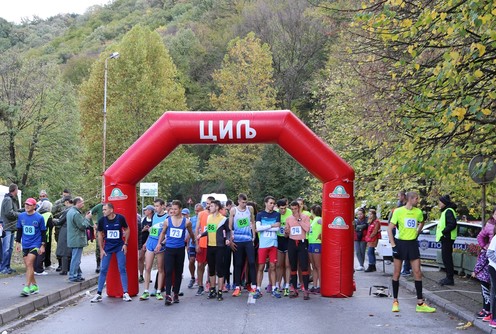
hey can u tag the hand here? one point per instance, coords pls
(124, 249)
(396, 255)
(102, 253)
(41, 250)
(234, 247)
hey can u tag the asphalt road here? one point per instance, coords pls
(360, 314)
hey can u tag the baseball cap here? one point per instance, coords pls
(185, 211)
(149, 207)
(30, 201)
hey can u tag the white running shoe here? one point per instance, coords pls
(96, 299)
(126, 297)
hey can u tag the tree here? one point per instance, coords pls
(142, 85)
(39, 124)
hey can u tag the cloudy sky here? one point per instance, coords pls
(15, 10)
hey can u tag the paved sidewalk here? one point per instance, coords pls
(53, 288)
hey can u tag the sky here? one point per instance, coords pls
(15, 10)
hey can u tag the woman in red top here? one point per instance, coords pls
(372, 238)
(296, 228)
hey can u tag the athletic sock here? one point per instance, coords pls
(396, 287)
(418, 287)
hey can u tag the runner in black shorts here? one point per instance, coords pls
(409, 221)
(282, 266)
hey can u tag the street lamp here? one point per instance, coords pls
(114, 55)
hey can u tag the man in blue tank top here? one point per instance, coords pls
(113, 235)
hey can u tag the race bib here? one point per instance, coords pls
(175, 232)
(28, 230)
(410, 223)
(113, 234)
(268, 234)
(243, 222)
(211, 228)
(154, 232)
(296, 230)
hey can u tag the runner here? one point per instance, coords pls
(217, 236)
(268, 223)
(315, 246)
(31, 230)
(153, 248)
(201, 245)
(143, 232)
(282, 266)
(241, 223)
(191, 245)
(296, 228)
(112, 227)
(409, 221)
(174, 232)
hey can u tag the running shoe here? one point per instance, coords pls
(425, 308)
(200, 291)
(43, 273)
(237, 292)
(306, 295)
(212, 294)
(225, 289)
(25, 291)
(145, 295)
(33, 289)
(96, 299)
(396, 307)
(168, 300)
(488, 318)
(268, 289)
(286, 292)
(482, 314)
(276, 293)
(126, 297)
(257, 294)
(176, 298)
(293, 294)
(159, 296)
(219, 296)
(191, 283)
(492, 324)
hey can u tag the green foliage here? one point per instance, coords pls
(142, 85)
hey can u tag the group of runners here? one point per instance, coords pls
(217, 234)
(286, 240)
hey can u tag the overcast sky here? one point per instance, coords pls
(14, 10)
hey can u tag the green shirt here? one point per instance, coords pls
(407, 222)
(315, 230)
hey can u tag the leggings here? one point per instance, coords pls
(486, 295)
(227, 264)
(173, 264)
(298, 254)
(245, 250)
(215, 260)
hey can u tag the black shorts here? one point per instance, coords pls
(26, 251)
(282, 244)
(408, 249)
(191, 252)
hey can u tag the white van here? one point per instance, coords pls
(220, 197)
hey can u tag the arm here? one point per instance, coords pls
(391, 227)
(189, 227)
(100, 242)
(126, 240)
(305, 223)
(161, 237)
(8, 208)
(376, 229)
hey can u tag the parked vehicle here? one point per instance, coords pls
(467, 234)
(220, 197)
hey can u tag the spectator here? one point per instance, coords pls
(372, 238)
(76, 237)
(63, 252)
(446, 233)
(10, 212)
(43, 260)
(360, 224)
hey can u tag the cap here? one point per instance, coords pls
(30, 201)
(149, 207)
(185, 211)
(445, 199)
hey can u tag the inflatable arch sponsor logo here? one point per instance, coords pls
(338, 223)
(117, 195)
(339, 192)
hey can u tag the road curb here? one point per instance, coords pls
(34, 303)
(446, 306)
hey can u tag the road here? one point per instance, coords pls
(360, 314)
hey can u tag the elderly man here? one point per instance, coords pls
(76, 237)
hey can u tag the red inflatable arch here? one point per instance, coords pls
(253, 127)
